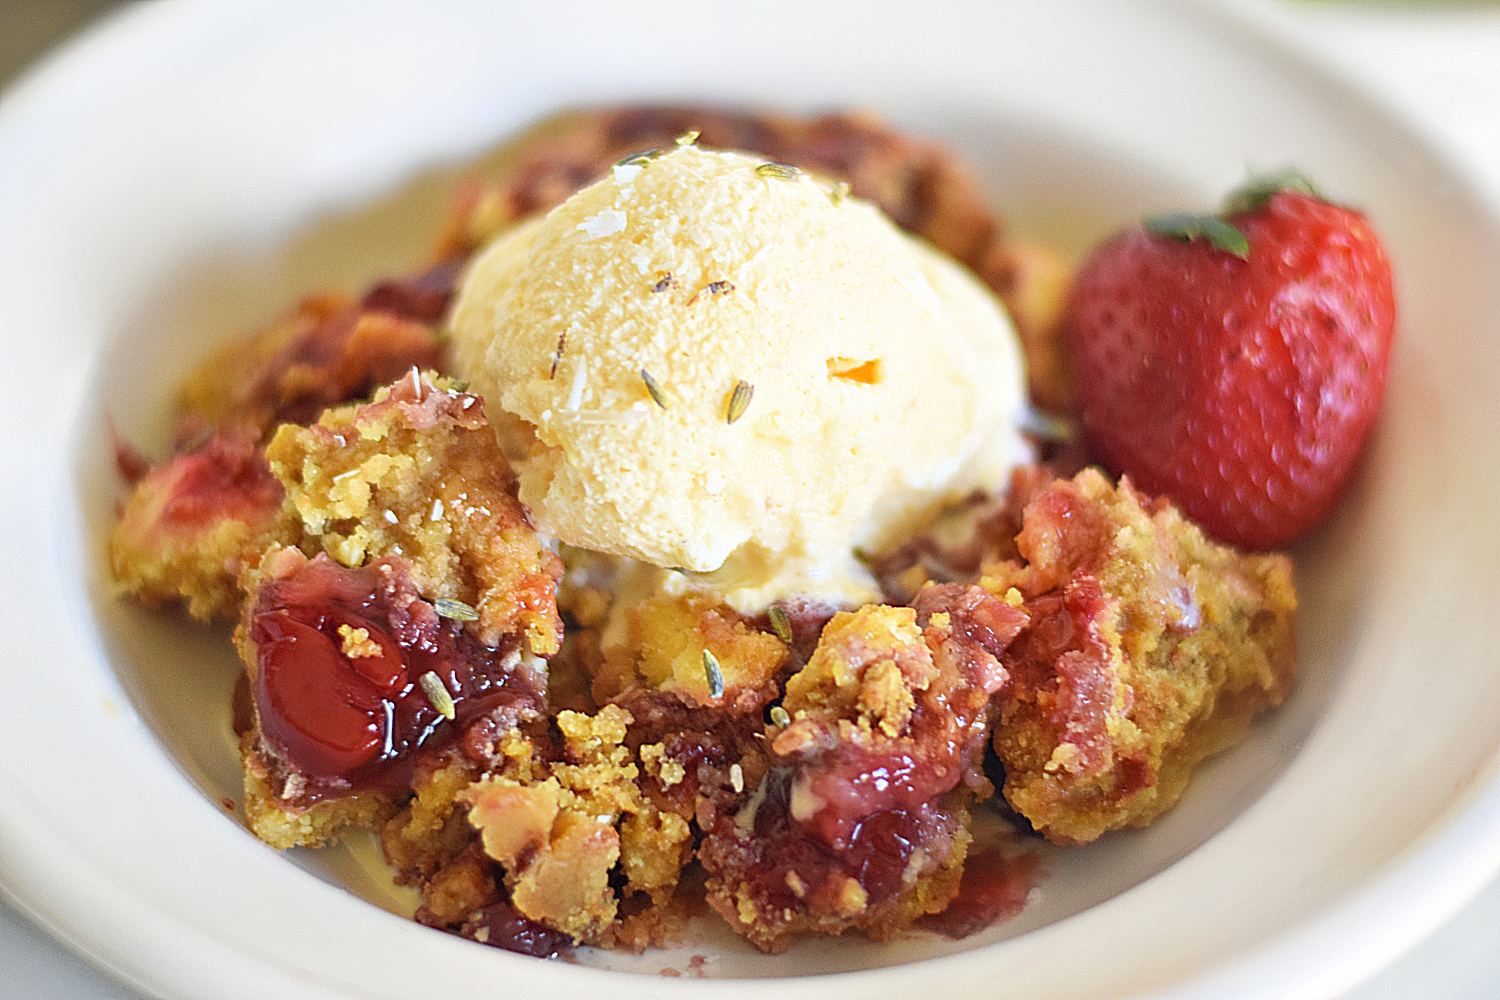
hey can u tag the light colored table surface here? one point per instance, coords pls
(1438, 63)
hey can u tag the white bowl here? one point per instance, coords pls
(189, 170)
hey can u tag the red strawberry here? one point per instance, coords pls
(1235, 364)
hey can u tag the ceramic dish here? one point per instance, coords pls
(188, 170)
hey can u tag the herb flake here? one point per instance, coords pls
(654, 388)
(780, 623)
(739, 400)
(642, 158)
(780, 171)
(437, 693)
(713, 674)
(457, 610)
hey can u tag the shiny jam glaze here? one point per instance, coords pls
(851, 785)
(340, 657)
(874, 849)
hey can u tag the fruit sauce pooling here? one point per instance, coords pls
(996, 886)
(341, 654)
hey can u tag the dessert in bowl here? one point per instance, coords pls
(1236, 783)
(813, 595)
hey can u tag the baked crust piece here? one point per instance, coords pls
(1149, 648)
(197, 521)
(325, 352)
(416, 473)
(862, 818)
(354, 678)
(429, 565)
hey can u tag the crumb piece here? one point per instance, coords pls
(417, 451)
(194, 523)
(664, 645)
(1150, 649)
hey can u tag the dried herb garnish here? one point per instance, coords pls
(714, 675)
(437, 693)
(665, 282)
(639, 159)
(839, 193)
(720, 287)
(654, 388)
(457, 610)
(780, 623)
(687, 138)
(739, 400)
(780, 171)
(562, 342)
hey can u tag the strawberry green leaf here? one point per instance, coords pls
(1258, 190)
(1186, 226)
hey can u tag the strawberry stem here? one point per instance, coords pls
(1186, 226)
(1258, 190)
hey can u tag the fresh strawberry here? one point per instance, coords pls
(1235, 363)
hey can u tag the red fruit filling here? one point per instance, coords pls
(501, 925)
(226, 477)
(341, 656)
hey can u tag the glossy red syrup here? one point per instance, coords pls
(360, 718)
(995, 888)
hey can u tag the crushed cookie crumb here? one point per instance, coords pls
(356, 643)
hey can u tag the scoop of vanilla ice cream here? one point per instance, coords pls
(726, 368)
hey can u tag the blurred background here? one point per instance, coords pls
(30, 27)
